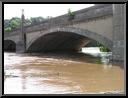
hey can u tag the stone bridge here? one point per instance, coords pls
(102, 23)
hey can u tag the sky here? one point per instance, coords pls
(43, 10)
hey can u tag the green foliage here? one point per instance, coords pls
(8, 29)
(15, 22)
(35, 20)
(11, 24)
(94, 43)
(102, 47)
(70, 14)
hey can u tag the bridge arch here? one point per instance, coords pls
(67, 38)
(9, 45)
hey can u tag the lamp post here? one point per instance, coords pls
(23, 35)
(22, 21)
(21, 44)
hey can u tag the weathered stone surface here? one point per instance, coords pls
(103, 23)
(119, 31)
(68, 31)
(72, 38)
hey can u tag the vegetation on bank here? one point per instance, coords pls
(15, 22)
(102, 48)
(97, 44)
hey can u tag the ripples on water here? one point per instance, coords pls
(59, 74)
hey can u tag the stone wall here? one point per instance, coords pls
(119, 27)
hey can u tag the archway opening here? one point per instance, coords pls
(69, 38)
(96, 44)
(9, 46)
(67, 41)
(58, 41)
(98, 50)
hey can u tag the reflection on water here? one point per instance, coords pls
(71, 73)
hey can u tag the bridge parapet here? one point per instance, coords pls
(84, 15)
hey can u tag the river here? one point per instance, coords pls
(60, 73)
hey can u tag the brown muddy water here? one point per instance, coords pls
(51, 73)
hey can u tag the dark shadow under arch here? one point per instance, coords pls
(9, 45)
(68, 38)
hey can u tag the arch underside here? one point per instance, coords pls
(59, 41)
(66, 39)
(9, 45)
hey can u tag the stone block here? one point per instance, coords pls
(118, 9)
(118, 34)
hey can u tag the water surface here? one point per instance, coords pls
(53, 73)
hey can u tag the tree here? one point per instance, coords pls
(102, 47)
(15, 23)
(8, 29)
(35, 20)
(11, 24)
(70, 14)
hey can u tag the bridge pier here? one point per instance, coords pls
(119, 18)
(20, 48)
